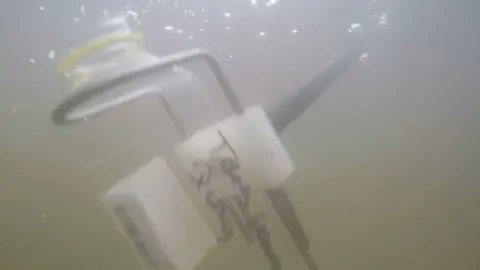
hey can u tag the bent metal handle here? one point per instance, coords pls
(65, 113)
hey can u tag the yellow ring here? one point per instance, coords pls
(85, 49)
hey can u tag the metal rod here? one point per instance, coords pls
(178, 125)
(296, 105)
(63, 113)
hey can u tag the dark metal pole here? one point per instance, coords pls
(296, 105)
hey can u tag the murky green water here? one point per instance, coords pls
(387, 159)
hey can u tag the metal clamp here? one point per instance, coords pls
(64, 113)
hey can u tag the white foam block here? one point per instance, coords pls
(163, 226)
(264, 162)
